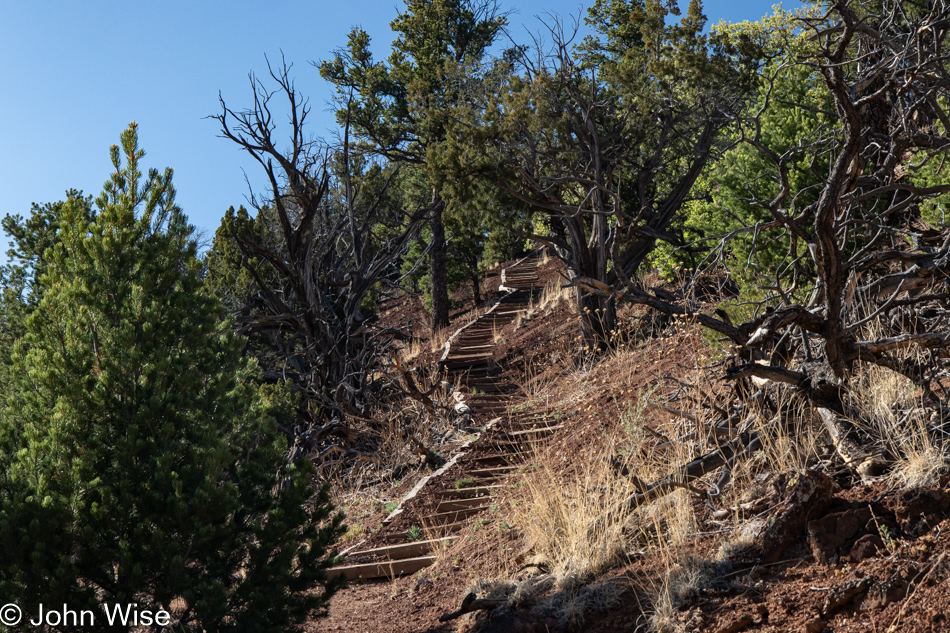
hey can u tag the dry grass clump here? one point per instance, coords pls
(553, 296)
(438, 338)
(791, 441)
(581, 523)
(577, 525)
(684, 578)
(410, 351)
(893, 414)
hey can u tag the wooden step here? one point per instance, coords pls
(546, 430)
(452, 516)
(478, 489)
(451, 505)
(403, 550)
(501, 403)
(497, 471)
(473, 357)
(386, 569)
(498, 459)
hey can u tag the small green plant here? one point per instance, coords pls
(465, 482)
(389, 507)
(493, 507)
(504, 525)
(890, 541)
(356, 530)
(414, 534)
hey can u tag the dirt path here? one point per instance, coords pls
(431, 515)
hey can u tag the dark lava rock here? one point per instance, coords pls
(866, 547)
(920, 509)
(830, 535)
(809, 498)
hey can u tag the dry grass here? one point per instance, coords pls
(577, 526)
(791, 441)
(684, 577)
(553, 296)
(549, 299)
(893, 413)
(438, 338)
(496, 334)
(410, 351)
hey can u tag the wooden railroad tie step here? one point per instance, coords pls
(469, 356)
(385, 569)
(472, 348)
(496, 471)
(453, 505)
(498, 459)
(474, 489)
(403, 550)
(452, 516)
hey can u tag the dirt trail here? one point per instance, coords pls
(431, 515)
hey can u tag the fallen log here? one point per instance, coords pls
(745, 444)
(470, 603)
(855, 457)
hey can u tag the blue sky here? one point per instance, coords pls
(74, 74)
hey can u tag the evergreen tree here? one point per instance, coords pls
(138, 461)
(404, 109)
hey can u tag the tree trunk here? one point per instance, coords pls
(438, 266)
(476, 290)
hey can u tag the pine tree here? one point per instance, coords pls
(139, 463)
(405, 107)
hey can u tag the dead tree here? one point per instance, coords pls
(610, 146)
(872, 258)
(323, 239)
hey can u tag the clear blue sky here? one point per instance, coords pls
(74, 74)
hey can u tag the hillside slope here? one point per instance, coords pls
(532, 518)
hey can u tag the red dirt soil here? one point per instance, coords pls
(886, 554)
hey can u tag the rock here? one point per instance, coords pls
(422, 584)
(734, 626)
(920, 509)
(883, 593)
(866, 547)
(815, 625)
(844, 593)
(809, 498)
(872, 467)
(829, 535)
(506, 621)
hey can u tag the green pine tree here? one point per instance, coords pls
(139, 463)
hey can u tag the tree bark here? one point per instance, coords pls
(438, 265)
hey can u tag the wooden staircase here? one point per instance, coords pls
(503, 442)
